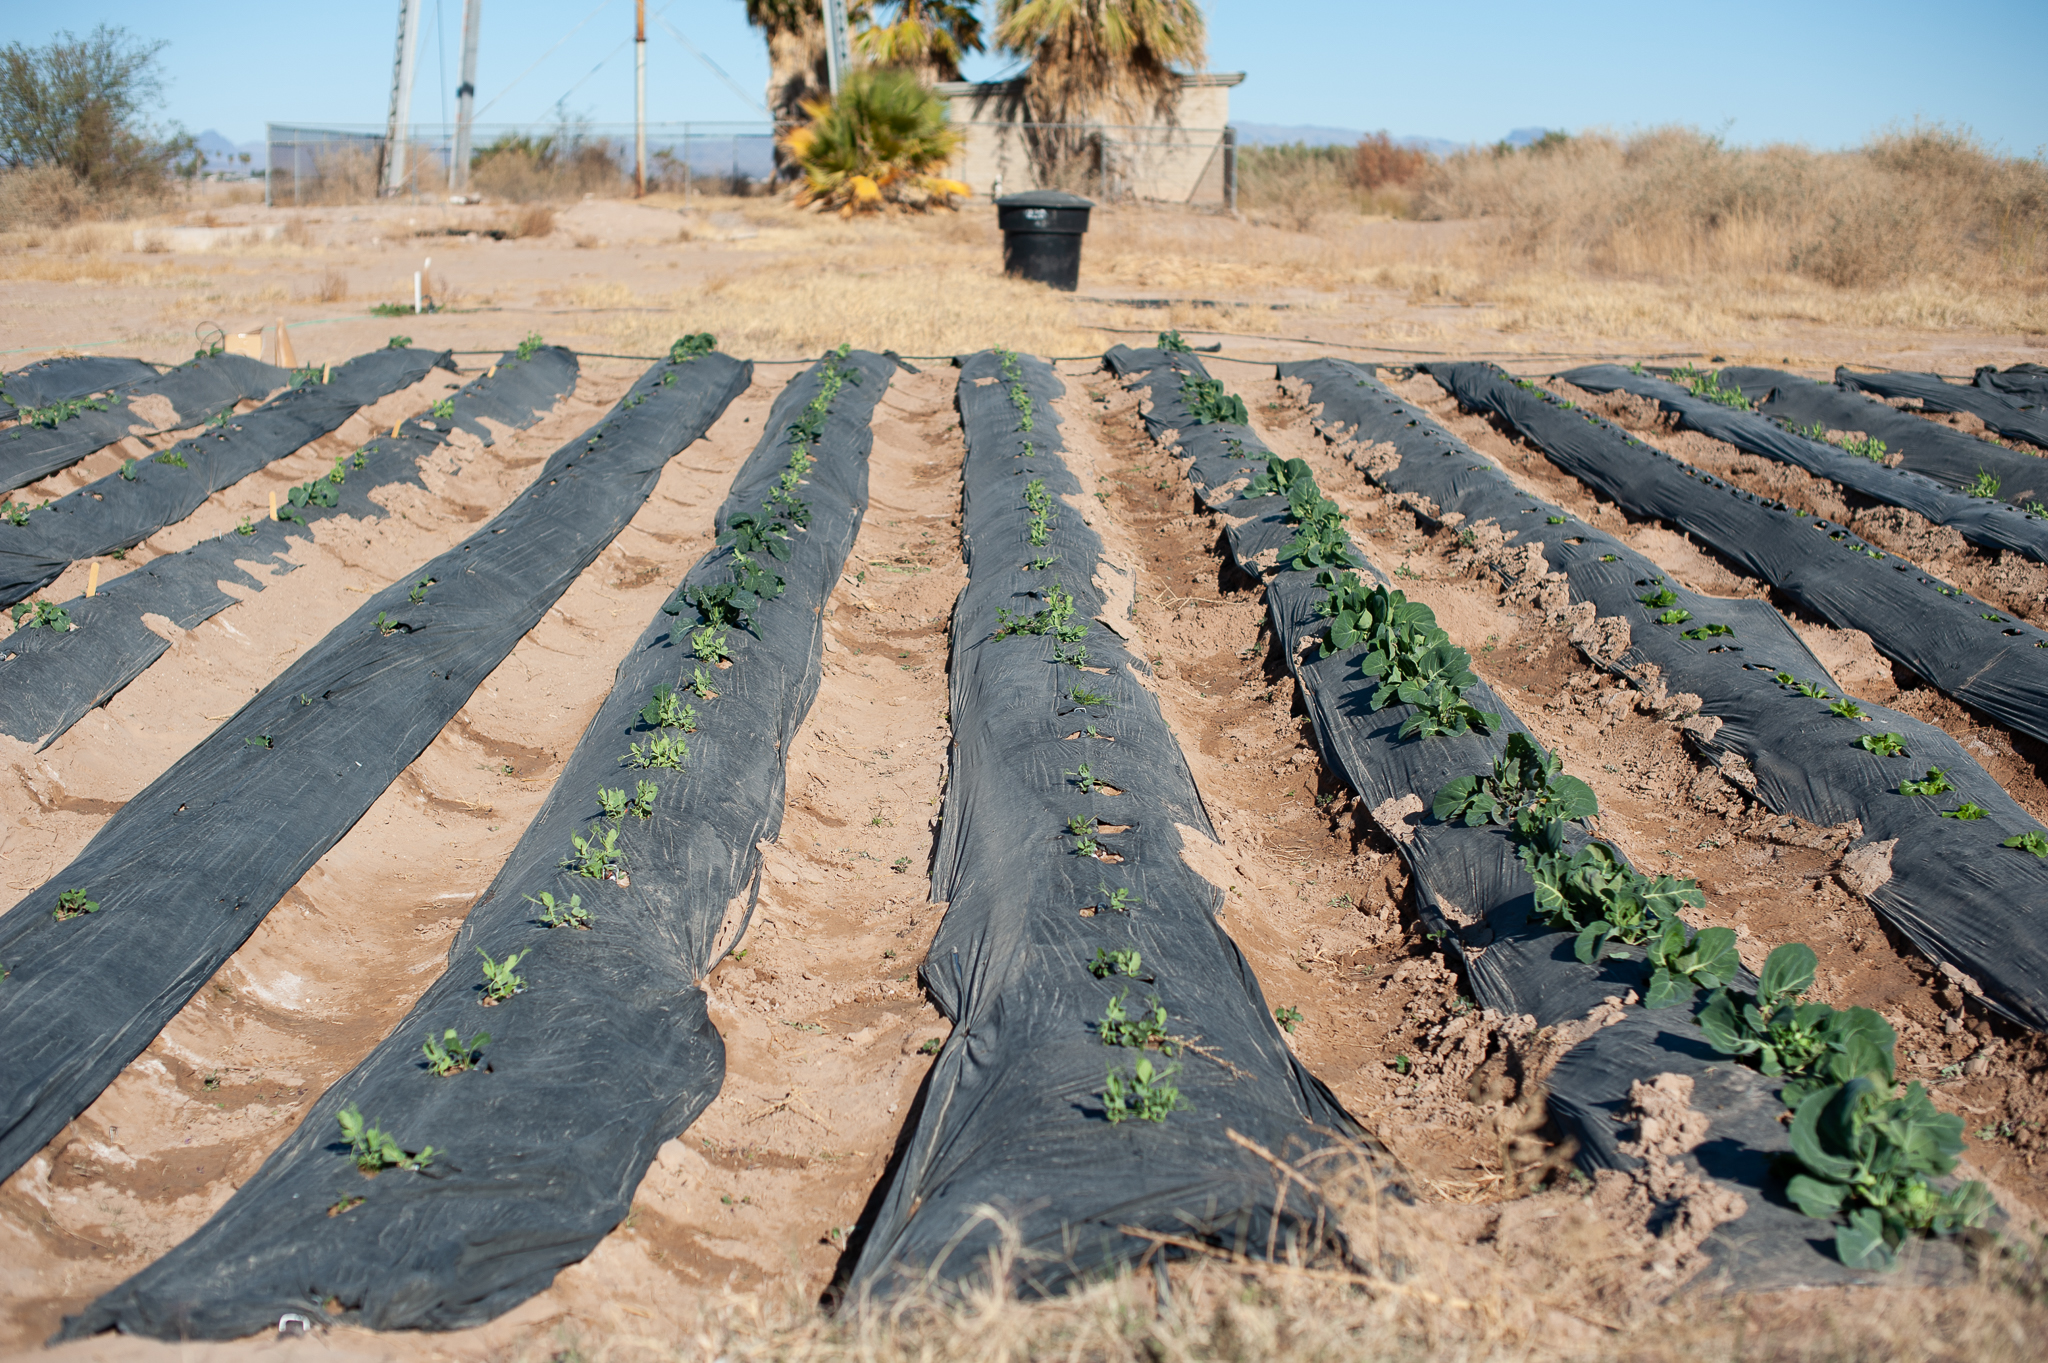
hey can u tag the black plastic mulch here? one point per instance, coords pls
(1991, 522)
(1941, 452)
(50, 680)
(123, 508)
(1012, 1116)
(2022, 417)
(1470, 884)
(72, 376)
(608, 1050)
(188, 867)
(197, 391)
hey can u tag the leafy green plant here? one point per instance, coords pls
(1142, 1030)
(452, 1055)
(59, 412)
(373, 1149)
(1968, 810)
(1659, 599)
(444, 410)
(388, 625)
(40, 615)
(685, 349)
(597, 854)
(16, 513)
(1434, 686)
(400, 343)
(930, 1047)
(666, 710)
(1674, 617)
(642, 804)
(709, 645)
(1278, 477)
(1847, 709)
(73, 904)
(700, 684)
(2030, 841)
(1085, 697)
(1528, 788)
(1707, 632)
(1983, 485)
(1861, 1150)
(1108, 963)
(1865, 447)
(558, 915)
(175, 458)
(1682, 961)
(501, 978)
(1055, 618)
(1936, 782)
(1811, 1043)
(664, 749)
(128, 467)
(1170, 341)
(246, 527)
(1884, 745)
(1210, 405)
(1593, 892)
(1117, 901)
(611, 803)
(1148, 1095)
(1706, 384)
(1288, 1018)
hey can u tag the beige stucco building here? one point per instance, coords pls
(1190, 158)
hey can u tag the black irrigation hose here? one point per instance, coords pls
(188, 867)
(1472, 887)
(1013, 1114)
(50, 679)
(1983, 521)
(123, 508)
(1945, 883)
(608, 1051)
(1957, 643)
(195, 391)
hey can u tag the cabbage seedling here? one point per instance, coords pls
(595, 858)
(2028, 842)
(663, 750)
(611, 803)
(665, 710)
(1108, 963)
(1935, 783)
(701, 685)
(1968, 809)
(373, 1149)
(1812, 1043)
(1884, 745)
(1143, 1031)
(453, 1055)
(73, 904)
(501, 980)
(1148, 1095)
(569, 915)
(1847, 709)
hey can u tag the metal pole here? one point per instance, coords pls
(465, 97)
(639, 98)
(838, 53)
(1230, 170)
(399, 127)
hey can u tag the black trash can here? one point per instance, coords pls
(1042, 236)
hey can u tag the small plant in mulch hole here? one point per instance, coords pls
(700, 685)
(444, 410)
(73, 904)
(596, 855)
(667, 710)
(901, 865)
(1085, 697)
(1847, 709)
(1936, 782)
(40, 615)
(1289, 1018)
(1108, 963)
(388, 625)
(175, 459)
(374, 1149)
(345, 1204)
(259, 741)
(1967, 810)
(128, 470)
(1144, 1029)
(418, 593)
(559, 915)
(1147, 1095)
(501, 978)
(2031, 841)
(1707, 632)
(452, 1055)
(664, 749)
(1884, 745)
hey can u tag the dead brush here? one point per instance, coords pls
(527, 222)
(333, 287)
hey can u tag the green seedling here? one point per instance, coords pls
(1682, 961)
(1812, 1044)
(1968, 810)
(1884, 745)
(373, 1149)
(1171, 341)
(1288, 1018)
(1148, 1095)
(667, 710)
(444, 410)
(1083, 696)
(501, 979)
(61, 411)
(73, 904)
(259, 741)
(1117, 901)
(1707, 384)
(1659, 599)
(642, 805)
(1810, 691)
(1435, 688)
(1865, 447)
(388, 625)
(1847, 709)
(709, 644)
(700, 684)
(1983, 485)
(596, 857)
(1279, 477)
(1594, 893)
(419, 590)
(128, 467)
(1936, 782)
(1073, 655)
(1084, 778)
(931, 1045)
(1674, 617)
(2031, 841)
(1142, 1031)
(1108, 963)
(451, 1054)
(1555, 520)
(1402, 1064)
(1527, 789)
(40, 615)
(1042, 562)
(1707, 632)
(1209, 405)
(611, 803)
(397, 342)
(663, 750)
(1863, 1151)
(174, 458)
(246, 527)
(16, 513)
(345, 1204)
(557, 915)
(1055, 618)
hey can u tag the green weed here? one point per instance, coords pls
(1288, 1018)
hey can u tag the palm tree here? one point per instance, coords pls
(1096, 61)
(795, 30)
(927, 36)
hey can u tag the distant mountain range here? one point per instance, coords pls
(1278, 134)
(223, 155)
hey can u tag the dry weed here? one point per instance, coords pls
(333, 287)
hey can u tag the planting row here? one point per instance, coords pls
(65, 659)
(1554, 924)
(122, 508)
(182, 874)
(499, 1131)
(1114, 1077)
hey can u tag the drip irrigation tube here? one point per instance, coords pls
(1947, 884)
(1943, 453)
(1472, 886)
(123, 508)
(608, 1050)
(193, 392)
(184, 872)
(50, 679)
(1980, 520)
(1015, 1115)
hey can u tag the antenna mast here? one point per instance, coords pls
(465, 98)
(639, 98)
(399, 129)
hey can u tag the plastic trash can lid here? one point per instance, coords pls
(1044, 198)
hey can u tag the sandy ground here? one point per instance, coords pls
(825, 1024)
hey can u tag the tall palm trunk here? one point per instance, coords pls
(797, 68)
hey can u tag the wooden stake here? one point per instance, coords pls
(92, 579)
(273, 506)
(287, 358)
(394, 427)
(491, 373)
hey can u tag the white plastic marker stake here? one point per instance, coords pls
(415, 291)
(92, 579)
(273, 506)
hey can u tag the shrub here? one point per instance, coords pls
(879, 143)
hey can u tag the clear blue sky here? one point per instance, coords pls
(1823, 74)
